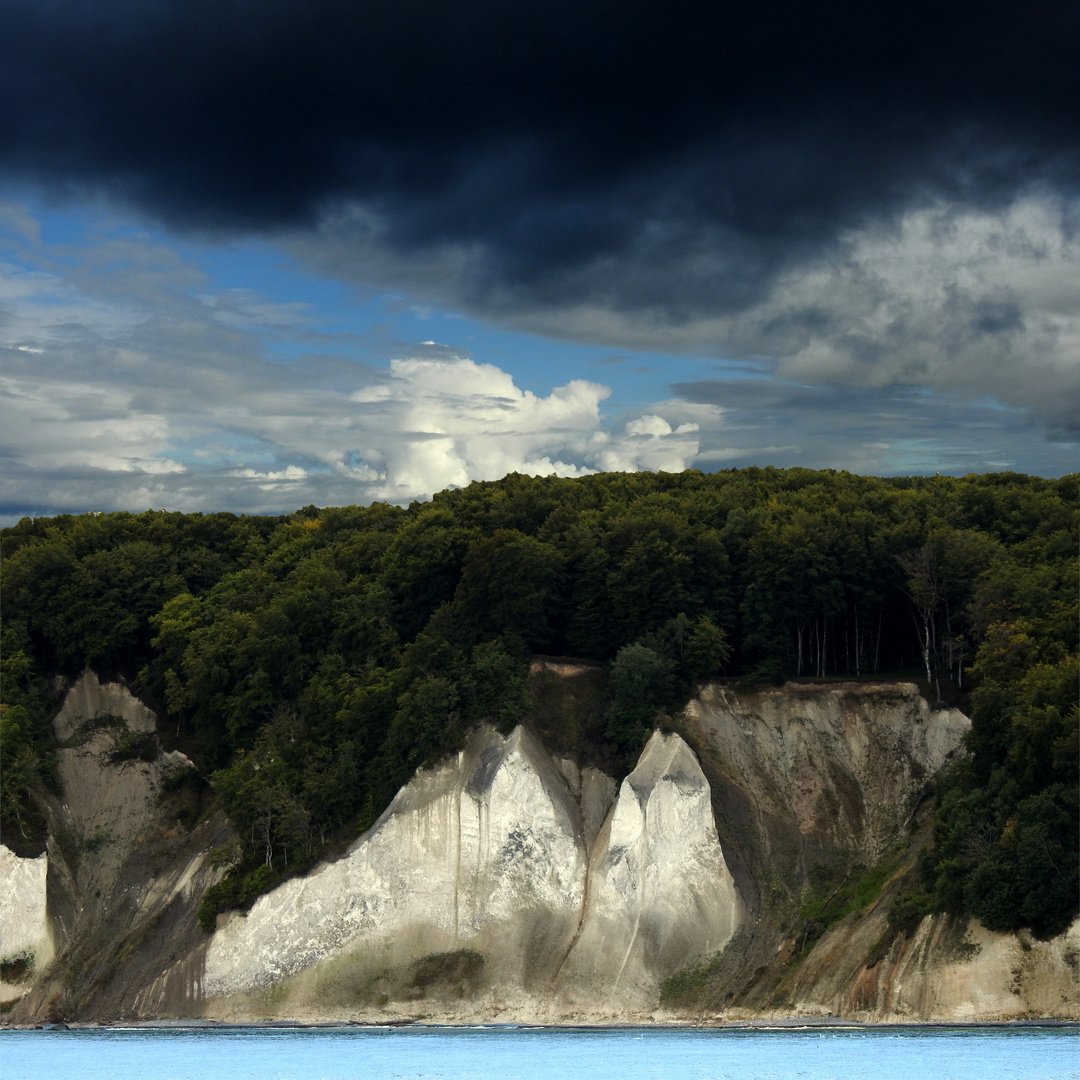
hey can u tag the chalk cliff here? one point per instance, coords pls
(511, 883)
(505, 881)
(26, 942)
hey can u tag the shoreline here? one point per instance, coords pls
(831, 1023)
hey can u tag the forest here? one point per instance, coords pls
(310, 663)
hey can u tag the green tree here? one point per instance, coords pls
(510, 585)
(639, 683)
(707, 650)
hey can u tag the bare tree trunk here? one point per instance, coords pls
(925, 644)
(926, 591)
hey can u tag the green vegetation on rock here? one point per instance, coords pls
(310, 663)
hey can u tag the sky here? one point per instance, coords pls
(256, 255)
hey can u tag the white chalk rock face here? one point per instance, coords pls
(660, 893)
(477, 885)
(485, 851)
(24, 926)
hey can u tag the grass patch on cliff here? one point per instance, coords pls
(457, 972)
(692, 985)
(451, 975)
(17, 969)
(906, 912)
(135, 746)
(837, 889)
(89, 727)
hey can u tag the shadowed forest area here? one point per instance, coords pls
(308, 664)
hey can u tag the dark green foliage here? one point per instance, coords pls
(85, 587)
(493, 684)
(135, 746)
(234, 891)
(310, 663)
(640, 682)
(706, 650)
(1008, 834)
(837, 889)
(510, 585)
(657, 673)
(27, 764)
(907, 911)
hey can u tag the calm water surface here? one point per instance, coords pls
(539, 1054)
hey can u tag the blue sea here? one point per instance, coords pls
(540, 1054)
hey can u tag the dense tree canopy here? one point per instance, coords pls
(309, 663)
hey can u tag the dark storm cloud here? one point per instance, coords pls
(557, 139)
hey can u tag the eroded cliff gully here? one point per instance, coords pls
(510, 883)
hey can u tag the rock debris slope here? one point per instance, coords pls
(485, 887)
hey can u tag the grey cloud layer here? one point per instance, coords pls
(883, 431)
(964, 300)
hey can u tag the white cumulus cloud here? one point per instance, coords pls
(448, 422)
